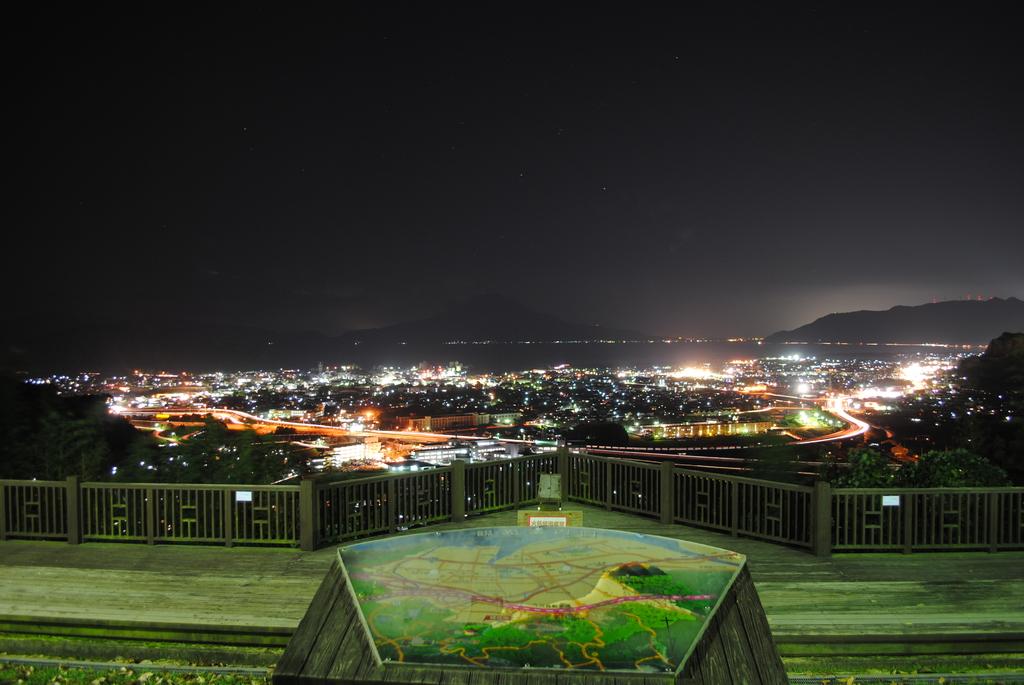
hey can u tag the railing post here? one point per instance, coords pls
(667, 481)
(734, 507)
(71, 510)
(517, 469)
(307, 515)
(907, 502)
(608, 485)
(563, 473)
(822, 525)
(150, 504)
(227, 517)
(458, 491)
(3, 513)
(993, 521)
(391, 488)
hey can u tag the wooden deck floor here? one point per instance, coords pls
(892, 598)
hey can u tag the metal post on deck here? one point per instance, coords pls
(71, 510)
(822, 525)
(667, 482)
(307, 515)
(458, 490)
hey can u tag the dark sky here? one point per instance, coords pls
(723, 172)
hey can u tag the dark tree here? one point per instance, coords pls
(1000, 369)
(603, 433)
(215, 454)
(869, 468)
(951, 469)
(45, 436)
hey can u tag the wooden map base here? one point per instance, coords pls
(331, 646)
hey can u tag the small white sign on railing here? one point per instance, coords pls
(890, 500)
(243, 495)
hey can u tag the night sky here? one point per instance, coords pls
(727, 172)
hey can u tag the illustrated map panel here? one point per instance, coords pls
(566, 598)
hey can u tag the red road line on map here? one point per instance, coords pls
(448, 590)
(587, 607)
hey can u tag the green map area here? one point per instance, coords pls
(576, 598)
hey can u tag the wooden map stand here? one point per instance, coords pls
(331, 646)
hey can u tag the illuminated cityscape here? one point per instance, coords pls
(477, 344)
(349, 419)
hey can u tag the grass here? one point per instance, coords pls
(32, 675)
(991, 668)
(124, 650)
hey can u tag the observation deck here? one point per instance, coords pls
(860, 609)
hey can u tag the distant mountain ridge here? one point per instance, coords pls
(949, 322)
(486, 318)
(113, 344)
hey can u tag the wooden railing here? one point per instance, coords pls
(927, 518)
(34, 509)
(617, 484)
(320, 512)
(779, 512)
(229, 514)
(150, 512)
(381, 504)
(497, 485)
(386, 504)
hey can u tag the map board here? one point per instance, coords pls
(537, 597)
(549, 488)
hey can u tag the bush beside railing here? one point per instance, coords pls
(320, 512)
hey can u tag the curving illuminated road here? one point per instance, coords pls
(241, 418)
(233, 417)
(855, 427)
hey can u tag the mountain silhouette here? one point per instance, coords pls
(486, 318)
(950, 322)
(111, 344)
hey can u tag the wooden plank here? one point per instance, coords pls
(755, 625)
(340, 621)
(742, 664)
(714, 668)
(298, 652)
(354, 652)
(879, 594)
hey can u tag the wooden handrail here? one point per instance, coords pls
(820, 517)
